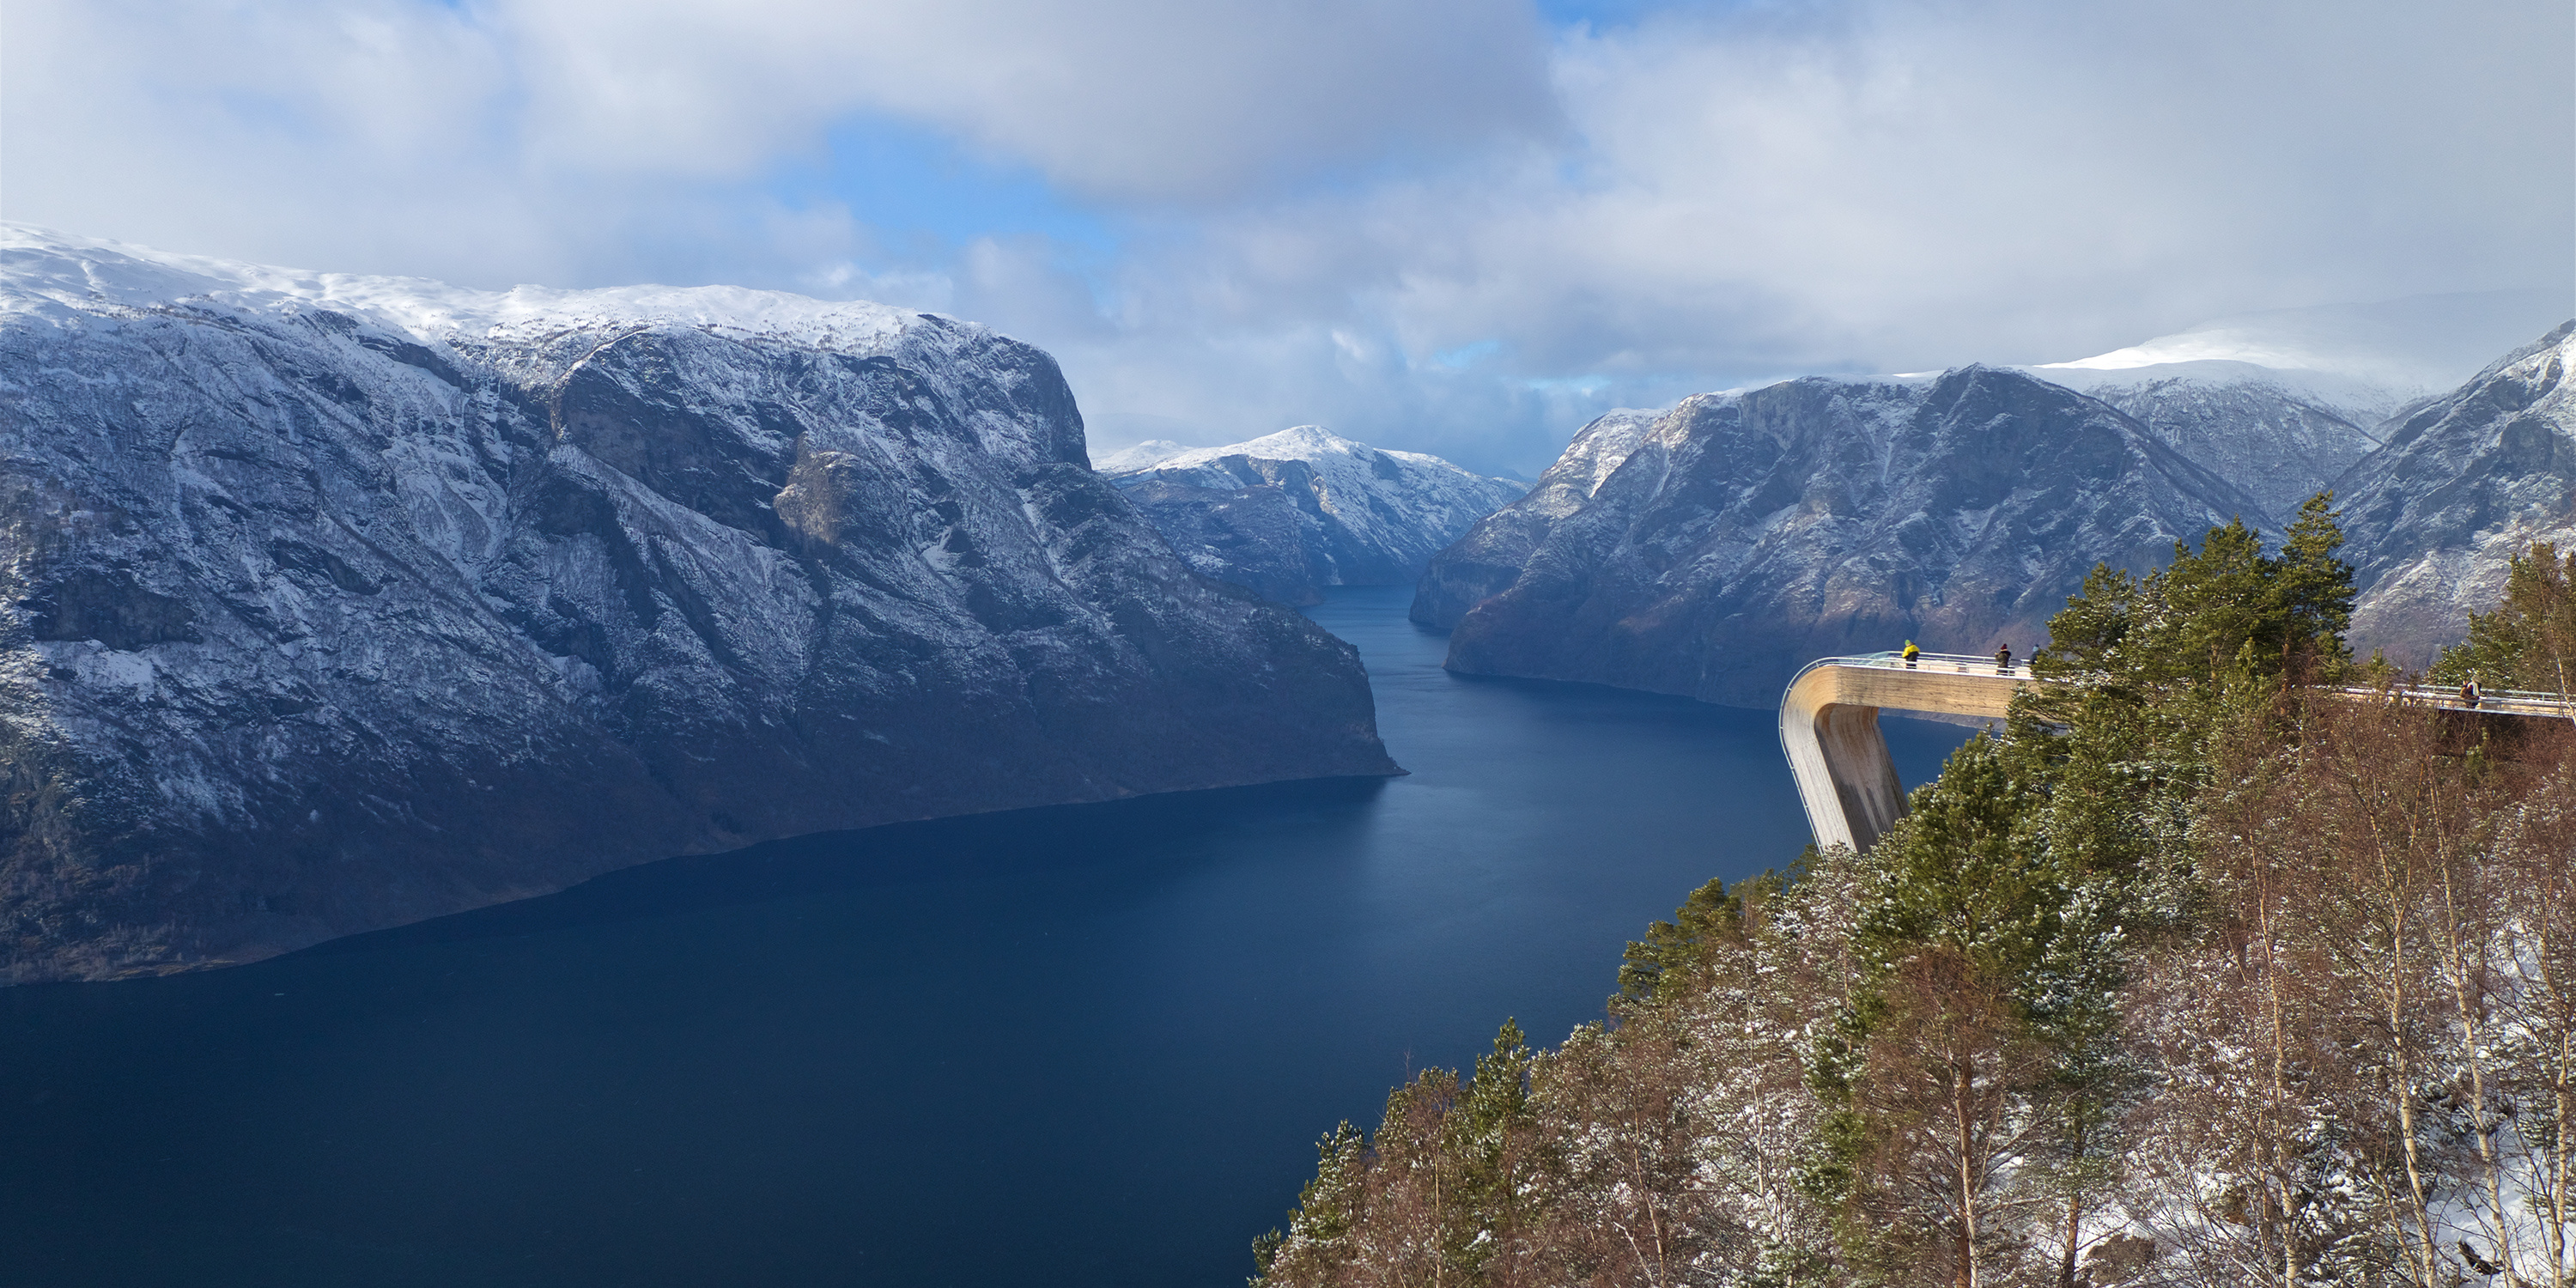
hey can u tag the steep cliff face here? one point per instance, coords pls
(2463, 484)
(1746, 533)
(1290, 513)
(328, 603)
(1486, 561)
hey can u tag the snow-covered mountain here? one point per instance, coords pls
(2466, 482)
(332, 602)
(2283, 402)
(1744, 533)
(2403, 408)
(1290, 513)
(2282, 436)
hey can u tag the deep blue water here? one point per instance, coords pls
(1091, 1045)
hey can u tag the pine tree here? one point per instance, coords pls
(2529, 641)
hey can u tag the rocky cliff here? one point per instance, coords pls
(2464, 483)
(1290, 513)
(328, 603)
(1745, 533)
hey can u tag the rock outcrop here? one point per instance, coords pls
(1746, 533)
(329, 603)
(2463, 484)
(1291, 513)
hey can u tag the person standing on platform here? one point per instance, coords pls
(1911, 653)
(2003, 659)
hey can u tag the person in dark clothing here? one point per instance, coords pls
(2003, 659)
(2469, 694)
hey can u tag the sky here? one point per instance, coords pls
(1455, 226)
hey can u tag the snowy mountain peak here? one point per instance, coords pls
(1296, 443)
(1289, 513)
(1138, 456)
(55, 277)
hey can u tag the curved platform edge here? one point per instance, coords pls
(1836, 751)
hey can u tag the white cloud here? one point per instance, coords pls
(1157, 100)
(1905, 186)
(1310, 204)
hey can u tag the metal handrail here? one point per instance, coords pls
(1926, 661)
(2447, 697)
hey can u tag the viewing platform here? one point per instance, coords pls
(1829, 726)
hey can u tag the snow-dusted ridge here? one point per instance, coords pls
(2466, 483)
(61, 278)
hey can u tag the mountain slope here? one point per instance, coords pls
(328, 603)
(1486, 561)
(2464, 483)
(1746, 533)
(1290, 513)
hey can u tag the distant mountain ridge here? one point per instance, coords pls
(1743, 533)
(1709, 550)
(1289, 514)
(2283, 402)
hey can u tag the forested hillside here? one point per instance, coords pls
(2208, 970)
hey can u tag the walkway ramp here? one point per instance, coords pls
(1829, 726)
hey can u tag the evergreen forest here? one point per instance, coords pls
(2222, 963)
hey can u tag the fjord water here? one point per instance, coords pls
(1090, 1045)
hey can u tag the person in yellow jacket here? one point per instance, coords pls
(1911, 653)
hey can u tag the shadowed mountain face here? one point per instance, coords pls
(1290, 513)
(1743, 534)
(329, 604)
(2464, 483)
